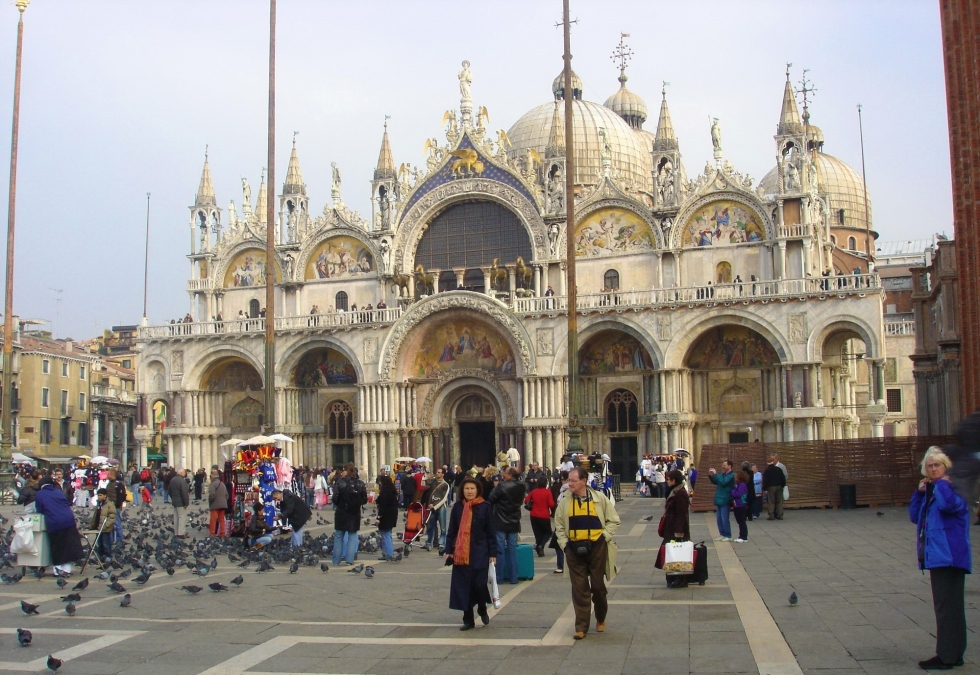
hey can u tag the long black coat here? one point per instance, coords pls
(387, 508)
(469, 582)
(294, 510)
(347, 517)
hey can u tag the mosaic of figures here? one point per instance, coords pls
(722, 223)
(460, 343)
(612, 232)
(324, 367)
(247, 270)
(613, 352)
(232, 375)
(340, 257)
(731, 347)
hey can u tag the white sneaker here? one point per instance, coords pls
(741, 541)
(723, 539)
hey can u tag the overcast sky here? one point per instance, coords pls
(120, 98)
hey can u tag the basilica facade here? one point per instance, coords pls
(711, 309)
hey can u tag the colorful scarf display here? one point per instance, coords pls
(461, 556)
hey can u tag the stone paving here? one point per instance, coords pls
(864, 608)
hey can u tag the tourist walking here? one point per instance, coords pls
(724, 483)
(585, 522)
(437, 495)
(942, 519)
(180, 500)
(199, 477)
(506, 499)
(218, 505)
(541, 503)
(349, 496)
(773, 482)
(471, 545)
(676, 522)
(757, 488)
(387, 503)
(740, 504)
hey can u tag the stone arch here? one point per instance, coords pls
(246, 415)
(154, 375)
(621, 324)
(601, 204)
(195, 375)
(690, 210)
(311, 245)
(416, 220)
(219, 270)
(291, 357)
(855, 324)
(494, 310)
(621, 411)
(454, 386)
(679, 347)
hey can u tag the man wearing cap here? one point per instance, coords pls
(102, 521)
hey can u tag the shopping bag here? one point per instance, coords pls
(494, 590)
(679, 557)
(24, 538)
(785, 492)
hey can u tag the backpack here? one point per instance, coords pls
(350, 496)
(145, 475)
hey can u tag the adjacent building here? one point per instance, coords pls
(114, 398)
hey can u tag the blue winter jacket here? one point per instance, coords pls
(53, 503)
(942, 518)
(724, 483)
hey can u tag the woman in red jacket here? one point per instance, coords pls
(541, 503)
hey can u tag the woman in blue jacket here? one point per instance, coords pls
(942, 518)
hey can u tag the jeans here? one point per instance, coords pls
(724, 526)
(103, 545)
(309, 497)
(387, 547)
(741, 513)
(560, 559)
(117, 529)
(757, 505)
(344, 547)
(296, 538)
(438, 517)
(507, 557)
(265, 540)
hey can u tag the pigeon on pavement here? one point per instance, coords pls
(369, 572)
(71, 597)
(61, 583)
(116, 587)
(239, 580)
(793, 598)
(294, 568)
(217, 587)
(193, 590)
(81, 585)
(324, 567)
(70, 609)
(126, 600)
(27, 608)
(356, 569)
(24, 637)
(53, 664)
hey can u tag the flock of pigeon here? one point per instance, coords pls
(148, 546)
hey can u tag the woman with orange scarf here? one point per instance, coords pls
(471, 545)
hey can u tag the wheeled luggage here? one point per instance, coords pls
(525, 562)
(700, 563)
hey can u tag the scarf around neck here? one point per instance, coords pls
(461, 555)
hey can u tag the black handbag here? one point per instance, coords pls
(582, 549)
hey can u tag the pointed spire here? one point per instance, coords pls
(556, 139)
(205, 191)
(294, 179)
(789, 115)
(666, 139)
(260, 204)
(386, 164)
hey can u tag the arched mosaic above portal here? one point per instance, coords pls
(723, 223)
(731, 347)
(459, 343)
(324, 367)
(340, 258)
(612, 232)
(231, 375)
(248, 269)
(613, 352)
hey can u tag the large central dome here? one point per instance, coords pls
(629, 158)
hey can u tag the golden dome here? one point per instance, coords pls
(840, 183)
(630, 157)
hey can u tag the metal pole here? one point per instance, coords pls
(270, 238)
(6, 397)
(864, 179)
(574, 431)
(146, 257)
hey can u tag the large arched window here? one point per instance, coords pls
(610, 280)
(253, 308)
(340, 301)
(340, 421)
(621, 411)
(471, 235)
(852, 244)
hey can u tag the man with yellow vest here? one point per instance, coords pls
(585, 522)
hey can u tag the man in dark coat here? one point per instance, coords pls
(773, 482)
(180, 499)
(507, 499)
(294, 511)
(349, 496)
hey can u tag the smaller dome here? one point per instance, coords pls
(558, 87)
(814, 137)
(628, 105)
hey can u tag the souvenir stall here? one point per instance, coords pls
(258, 468)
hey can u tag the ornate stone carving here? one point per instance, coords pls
(797, 327)
(455, 300)
(663, 326)
(370, 350)
(177, 362)
(546, 341)
(425, 418)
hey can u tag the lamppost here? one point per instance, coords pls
(6, 397)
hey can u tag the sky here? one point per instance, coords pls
(121, 97)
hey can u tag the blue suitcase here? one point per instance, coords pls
(525, 562)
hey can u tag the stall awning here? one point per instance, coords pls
(55, 460)
(151, 457)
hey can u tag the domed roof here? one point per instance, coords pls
(558, 86)
(841, 184)
(628, 105)
(630, 157)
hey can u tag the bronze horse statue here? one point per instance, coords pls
(424, 281)
(498, 275)
(524, 273)
(401, 283)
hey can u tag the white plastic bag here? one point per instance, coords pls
(679, 557)
(785, 493)
(24, 538)
(494, 590)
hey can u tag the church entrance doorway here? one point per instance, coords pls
(623, 456)
(738, 437)
(477, 444)
(342, 453)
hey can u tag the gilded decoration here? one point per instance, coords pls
(247, 269)
(340, 258)
(612, 231)
(449, 375)
(324, 367)
(613, 352)
(232, 375)
(731, 347)
(459, 343)
(721, 223)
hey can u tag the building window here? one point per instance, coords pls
(44, 432)
(81, 402)
(64, 437)
(852, 244)
(833, 240)
(610, 280)
(471, 235)
(840, 216)
(253, 309)
(45, 366)
(127, 363)
(621, 411)
(340, 301)
(64, 370)
(64, 402)
(82, 433)
(894, 399)
(81, 372)
(45, 397)
(340, 421)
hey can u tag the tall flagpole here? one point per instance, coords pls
(574, 431)
(146, 258)
(868, 246)
(7, 395)
(270, 238)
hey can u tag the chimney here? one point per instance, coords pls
(69, 346)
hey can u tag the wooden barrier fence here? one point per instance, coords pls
(884, 470)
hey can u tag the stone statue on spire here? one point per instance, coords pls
(465, 80)
(246, 196)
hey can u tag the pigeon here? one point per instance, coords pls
(126, 599)
(7, 579)
(397, 558)
(123, 575)
(142, 579)
(648, 518)
(104, 576)
(193, 590)
(214, 563)
(170, 571)
(81, 585)
(793, 598)
(356, 569)
(324, 567)
(24, 637)
(116, 587)
(369, 572)
(244, 564)
(53, 664)
(294, 568)
(61, 583)
(265, 567)
(70, 609)
(27, 608)
(71, 597)
(879, 513)
(239, 580)
(202, 571)
(39, 573)
(217, 587)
